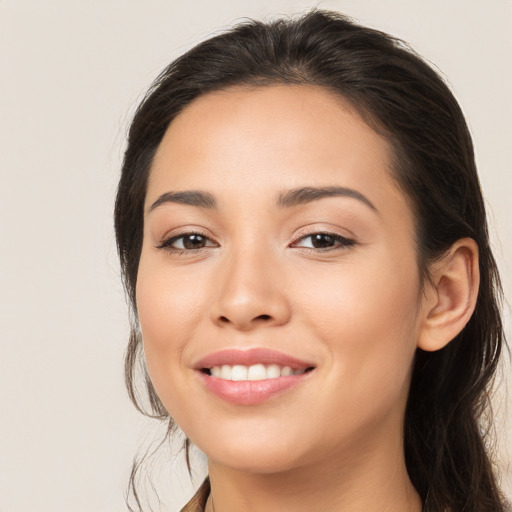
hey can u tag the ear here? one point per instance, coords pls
(451, 295)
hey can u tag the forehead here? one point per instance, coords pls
(271, 138)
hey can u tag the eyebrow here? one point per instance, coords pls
(289, 199)
(190, 197)
(304, 195)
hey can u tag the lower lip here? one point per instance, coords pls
(251, 392)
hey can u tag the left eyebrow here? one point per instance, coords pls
(304, 195)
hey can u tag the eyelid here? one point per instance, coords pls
(326, 228)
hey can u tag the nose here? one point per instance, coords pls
(249, 292)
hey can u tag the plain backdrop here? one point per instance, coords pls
(71, 73)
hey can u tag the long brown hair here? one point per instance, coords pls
(404, 99)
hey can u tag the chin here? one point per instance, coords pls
(260, 460)
(252, 453)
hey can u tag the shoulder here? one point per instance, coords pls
(198, 501)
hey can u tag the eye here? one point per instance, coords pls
(323, 241)
(186, 242)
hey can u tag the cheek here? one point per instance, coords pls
(167, 302)
(368, 320)
(358, 298)
(168, 310)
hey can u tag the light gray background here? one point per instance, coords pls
(71, 72)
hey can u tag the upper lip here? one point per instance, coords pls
(250, 357)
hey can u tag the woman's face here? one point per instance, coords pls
(278, 252)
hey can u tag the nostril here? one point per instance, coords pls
(243, 322)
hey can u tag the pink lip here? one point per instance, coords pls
(250, 357)
(250, 392)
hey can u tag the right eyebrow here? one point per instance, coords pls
(190, 197)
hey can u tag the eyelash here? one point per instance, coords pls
(340, 242)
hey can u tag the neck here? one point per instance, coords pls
(372, 480)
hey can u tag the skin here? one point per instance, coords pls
(356, 309)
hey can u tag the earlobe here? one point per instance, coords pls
(451, 298)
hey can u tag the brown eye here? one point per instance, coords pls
(193, 241)
(186, 242)
(324, 241)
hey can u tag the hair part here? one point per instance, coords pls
(405, 100)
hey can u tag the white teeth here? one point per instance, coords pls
(286, 371)
(257, 372)
(273, 371)
(225, 372)
(239, 372)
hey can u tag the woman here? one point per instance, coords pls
(304, 243)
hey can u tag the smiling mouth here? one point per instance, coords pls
(254, 372)
(251, 377)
